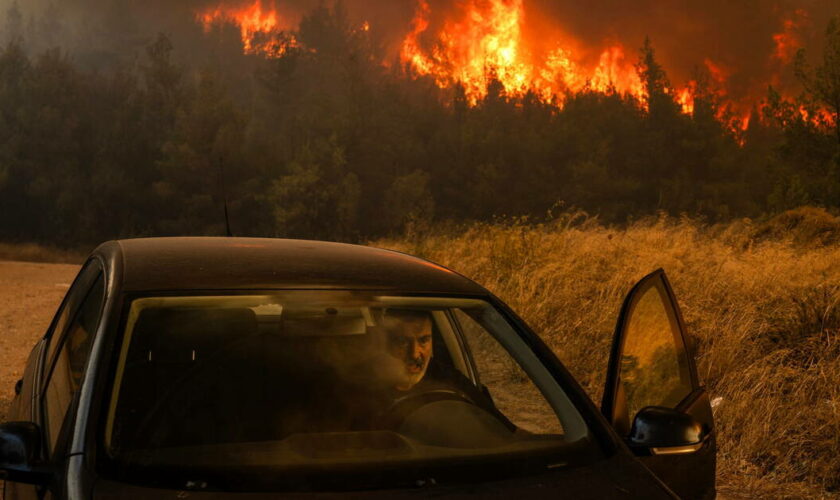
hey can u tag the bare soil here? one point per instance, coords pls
(30, 293)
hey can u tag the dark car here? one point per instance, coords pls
(217, 367)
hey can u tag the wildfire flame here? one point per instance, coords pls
(486, 42)
(685, 98)
(482, 40)
(259, 23)
(476, 42)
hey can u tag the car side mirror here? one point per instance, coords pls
(20, 443)
(664, 431)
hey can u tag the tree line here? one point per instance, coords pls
(327, 142)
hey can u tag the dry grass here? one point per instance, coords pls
(764, 313)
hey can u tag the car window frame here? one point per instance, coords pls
(90, 274)
(469, 360)
(464, 362)
(601, 429)
(614, 403)
(44, 362)
(81, 285)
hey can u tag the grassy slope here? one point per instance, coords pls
(765, 316)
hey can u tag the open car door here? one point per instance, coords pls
(653, 396)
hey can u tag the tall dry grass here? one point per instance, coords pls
(763, 311)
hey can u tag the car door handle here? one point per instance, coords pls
(18, 386)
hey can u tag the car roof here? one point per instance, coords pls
(219, 263)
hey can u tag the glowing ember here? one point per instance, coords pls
(745, 121)
(259, 25)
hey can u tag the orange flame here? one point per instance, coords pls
(685, 98)
(477, 42)
(486, 42)
(260, 26)
(614, 70)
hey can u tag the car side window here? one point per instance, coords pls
(511, 389)
(75, 295)
(653, 370)
(66, 373)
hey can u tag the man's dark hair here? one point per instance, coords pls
(407, 314)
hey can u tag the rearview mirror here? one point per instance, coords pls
(20, 443)
(665, 431)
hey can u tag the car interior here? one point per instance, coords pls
(246, 374)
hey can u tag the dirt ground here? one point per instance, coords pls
(29, 296)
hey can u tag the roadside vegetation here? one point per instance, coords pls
(762, 304)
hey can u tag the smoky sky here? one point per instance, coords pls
(735, 36)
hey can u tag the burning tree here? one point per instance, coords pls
(823, 82)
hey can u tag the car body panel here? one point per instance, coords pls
(22, 407)
(263, 263)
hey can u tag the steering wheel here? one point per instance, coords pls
(404, 406)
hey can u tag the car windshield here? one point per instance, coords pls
(296, 389)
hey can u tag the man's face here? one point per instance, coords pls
(410, 342)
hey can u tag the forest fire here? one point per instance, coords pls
(486, 41)
(475, 42)
(259, 23)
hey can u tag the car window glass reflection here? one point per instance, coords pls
(512, 390)
(67, 372)
(316, 378)
(651, 371)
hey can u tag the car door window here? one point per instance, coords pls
(75, 295)
(654, 368)
(66, 372)
(509, 386)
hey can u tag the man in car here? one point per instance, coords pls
(407, 382)
(408, 341)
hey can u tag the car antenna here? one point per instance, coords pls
(228, 232)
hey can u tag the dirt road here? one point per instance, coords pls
(29, 296)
